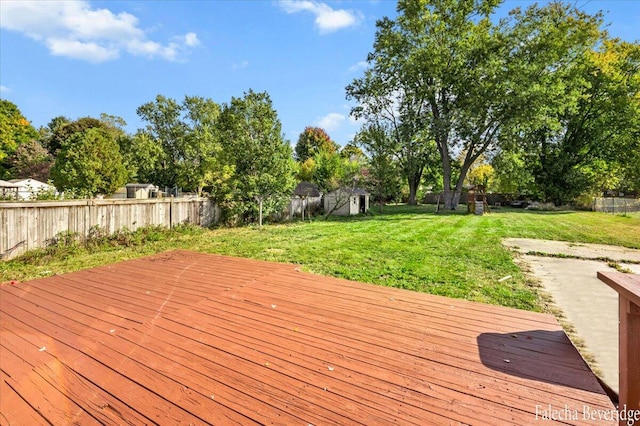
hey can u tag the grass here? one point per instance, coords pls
(449, 254)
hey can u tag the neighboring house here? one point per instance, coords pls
(28, 189)
(347, 201)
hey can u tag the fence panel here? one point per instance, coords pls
(29, 225)
(616, 205)
(297, 204)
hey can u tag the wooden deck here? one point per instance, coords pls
(192, 338)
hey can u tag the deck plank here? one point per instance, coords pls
(185, 337)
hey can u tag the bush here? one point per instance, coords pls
(64, 244)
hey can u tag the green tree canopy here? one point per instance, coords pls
(332, 171)
(31, 160)
(61, 129)
(311, 141)
(384, 172)
(352, 151)
(15, 130)
(181, 145)
(253, 143)
(442, 72)
(89, 162)
(596, 145)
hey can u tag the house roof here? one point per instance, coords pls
(27, 181)
(185, 337)
(306, 189)
(8, 184)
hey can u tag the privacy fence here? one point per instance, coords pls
(298, 204)
(28, 225)
(616, 205)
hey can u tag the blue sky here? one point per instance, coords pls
(82, 58)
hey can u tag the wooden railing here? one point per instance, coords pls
(628, 288)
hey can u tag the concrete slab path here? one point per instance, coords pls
(588, 304)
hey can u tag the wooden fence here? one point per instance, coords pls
(297, 204)
(28, 225)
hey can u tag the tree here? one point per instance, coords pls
(596, 145)
(513, 174)
(305, 170)
(253, 143)
(143, 157)
(166, 129)
(31, 160)
(352, 152)
(201, 162)
(384, 173)
(61, 130)
(15, 130)
(89, 162)
(443, 73)
(311, 141)
(333, 171)
(481, 174)
(181, 145)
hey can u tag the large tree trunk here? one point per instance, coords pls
(450, 202)
(452, 197)
(414, 183)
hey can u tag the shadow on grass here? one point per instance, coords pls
(533, 211)
(405, 212)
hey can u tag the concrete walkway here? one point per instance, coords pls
(588, 304)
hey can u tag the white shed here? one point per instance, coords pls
(28, 189)
(347, 201)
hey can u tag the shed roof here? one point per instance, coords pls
(140, 185)
(353, 191)
(184, 337)
(306, 189)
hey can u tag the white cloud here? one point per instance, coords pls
(4, 89)
(240, 65)
(354, 120)
(191, 39)
(331, 121)
(75, 49)
(327, 19)
(362, 65)
(74, 29)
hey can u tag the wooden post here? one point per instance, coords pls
(171, 212)
(628, 288)
(259, 199)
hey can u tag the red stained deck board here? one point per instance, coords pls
(415, 325)
(192, 337)
(240, 321)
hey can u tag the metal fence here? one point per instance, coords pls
(616, 205)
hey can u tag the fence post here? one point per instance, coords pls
(171, 212)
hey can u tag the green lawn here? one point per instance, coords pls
(450, 254)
